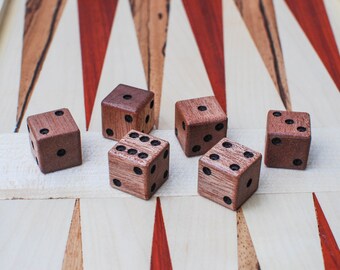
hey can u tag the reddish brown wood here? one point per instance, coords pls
(199, 124)
(139, 164)
(73, 258)
(330, 249)
(54, 140)
(127, 108)
(160, 256)
(95, 22)
(229, 173)
(288, 140)
(312, 17)
(207, 24)
(41, 21)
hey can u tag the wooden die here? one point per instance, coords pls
(199, 124)
(139, 164)
(127, 108)
(288, 140)
(229, 173)
(55, 140)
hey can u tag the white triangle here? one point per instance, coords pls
(311, 88)
(60, 84)
(11, 34)
(250, 91)
(333, 11)
(185, 76)
(123, 62)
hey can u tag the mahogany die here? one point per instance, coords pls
(127, 108)
(139, 164)
(288, 140)
(199, 124)
(229, 173)
(55, 140)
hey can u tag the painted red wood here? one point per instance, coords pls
(95, 22)
(330, 249)
(160, 256)
(312, 17)
(207, 24)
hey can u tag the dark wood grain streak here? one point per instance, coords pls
(41, 16)
(73, 258)
(95, 22)
(247, 258)
(312, 17)
(207, 24)
(160, 256)
(151, 23)
(259, 17)
(330, 249)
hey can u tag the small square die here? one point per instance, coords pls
(55, 140)
(229, 173)
(139, 164)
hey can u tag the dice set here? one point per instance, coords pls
(228, 172)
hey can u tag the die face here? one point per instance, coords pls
(199, 124)
(288, 140)
(55, 140)
(229, 173)
(139, 164)
(127, 108)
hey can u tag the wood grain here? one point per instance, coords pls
(288, 133)
(54, 140)
(228, 174)
(313, 19)
(260, 18)
(247, 258)
(330, 249)
(139, 164)
(41, 20)
(199, 130)
(160, 254)
(151, 23)
(95, 22)
(127, 108)
(73, 258)
(207, 24)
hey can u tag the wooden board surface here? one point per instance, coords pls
(252, 55)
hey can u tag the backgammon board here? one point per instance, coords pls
(253, 55)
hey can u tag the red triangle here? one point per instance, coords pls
(95, 22)
(207, 24)
(160, 257)
(312, 17)
(330, 249)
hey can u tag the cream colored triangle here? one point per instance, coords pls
(250, 91)
(123, 62)
(311, 88)
(333, 11)
(185, 76)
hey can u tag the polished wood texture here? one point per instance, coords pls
(127, 108)
(139, 164)
(73, 258)
(199, 124)
(41, 20)
(54, 140)
(330, 249)
(151, 22)
(313, 19)
(288, 139)
(160, 256)
(95, 22)
(260, 18)
(207, 24)
(229, 173)
(247, 258)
